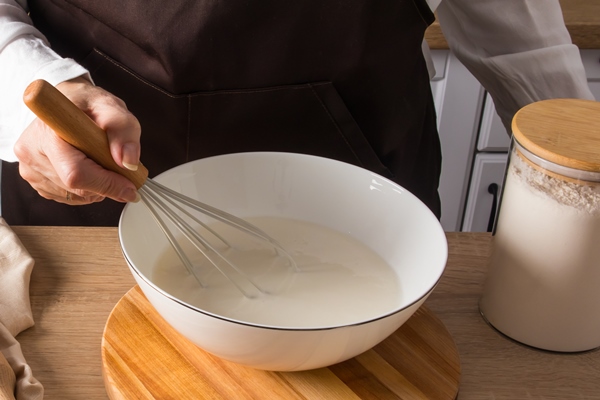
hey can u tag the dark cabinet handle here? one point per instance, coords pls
(493, 190)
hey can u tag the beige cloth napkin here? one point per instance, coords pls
(16, 378)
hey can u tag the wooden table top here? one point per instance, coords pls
(80, 275)
(582, 18)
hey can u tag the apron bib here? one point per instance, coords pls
(344, 81)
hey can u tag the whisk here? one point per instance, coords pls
(76, 128)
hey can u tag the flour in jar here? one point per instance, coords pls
(338, 279)
(544, 272)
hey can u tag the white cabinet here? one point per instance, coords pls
(591, 63)
(438, 82)
(475, 143)
(489, 163)
(492, 133)
(459, 98)
(484, 191)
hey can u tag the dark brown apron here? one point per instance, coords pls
(344, 80)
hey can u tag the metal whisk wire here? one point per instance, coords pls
(155, 196)
(76, 128)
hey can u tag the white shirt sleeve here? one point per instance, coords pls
(520, 50)
(24, 57)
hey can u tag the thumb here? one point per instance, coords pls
(111, 114)
(123, 130)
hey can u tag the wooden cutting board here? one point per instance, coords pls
(144, 358)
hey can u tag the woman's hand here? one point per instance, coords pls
(62, 173)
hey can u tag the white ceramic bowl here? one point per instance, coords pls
(372, 209)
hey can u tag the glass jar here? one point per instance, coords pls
(543, 282)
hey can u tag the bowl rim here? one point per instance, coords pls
(274, 327)
(174, 299)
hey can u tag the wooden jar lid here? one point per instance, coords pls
(563, 131)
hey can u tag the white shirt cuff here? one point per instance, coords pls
(34, 60)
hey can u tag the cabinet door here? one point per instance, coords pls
(459, 111)
(485, 189)
(492, 134)
(438, 81)
(591, 63)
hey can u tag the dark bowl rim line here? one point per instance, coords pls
(271, 327)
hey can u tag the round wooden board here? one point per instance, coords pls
(144, 358)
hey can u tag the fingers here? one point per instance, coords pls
(50, 190)
(80, 175)
(123, 131)
(70, 198)
(62, 173)
(111, 114)
(53, 168)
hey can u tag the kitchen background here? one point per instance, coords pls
(474, 141)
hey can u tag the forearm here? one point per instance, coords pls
(520, 50)
(24, 56)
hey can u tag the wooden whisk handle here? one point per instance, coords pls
(75, 127)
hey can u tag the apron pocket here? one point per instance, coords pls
(307, 118)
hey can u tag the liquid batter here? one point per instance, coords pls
(338, 280)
